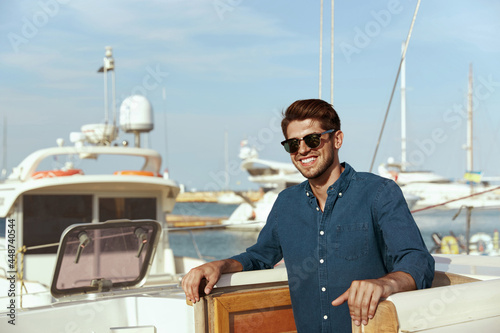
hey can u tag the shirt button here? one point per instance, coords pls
(307, 193)
(321, 261)
(317, 208)
(325, 317)
(321, 232)
(323, 289)
(340, 194)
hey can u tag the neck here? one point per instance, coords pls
(320, 184)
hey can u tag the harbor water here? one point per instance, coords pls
(223, 243)
(219, 243)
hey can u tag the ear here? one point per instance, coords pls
(339, 139)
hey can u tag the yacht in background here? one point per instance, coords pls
(432, 190)
(273, 177)
(38, 202)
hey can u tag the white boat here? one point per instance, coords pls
(431, 189)
(100, 284)
(273, 177)
(122, 182)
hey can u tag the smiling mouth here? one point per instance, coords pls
(308, 160)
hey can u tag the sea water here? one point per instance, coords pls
(223, 243)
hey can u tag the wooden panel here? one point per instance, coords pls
(267, 320)
(267, 311)
(447, 279)
(384, 321)
(255, 299)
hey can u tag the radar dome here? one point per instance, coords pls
(136, 114)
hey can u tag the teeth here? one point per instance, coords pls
(308, 160)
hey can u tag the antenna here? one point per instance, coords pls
(109, 66)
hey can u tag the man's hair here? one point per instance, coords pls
(316, 109)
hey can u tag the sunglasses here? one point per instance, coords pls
(311, 140)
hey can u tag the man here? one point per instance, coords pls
(348, 238)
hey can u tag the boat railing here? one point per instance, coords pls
(456, 199)
(261, 299)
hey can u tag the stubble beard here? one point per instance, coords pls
(318, 170)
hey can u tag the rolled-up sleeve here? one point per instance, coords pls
(405, 249)
(266, 252)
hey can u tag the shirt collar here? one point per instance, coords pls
(340, 185)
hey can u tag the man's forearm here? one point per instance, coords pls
(230, 266)
(399, 281)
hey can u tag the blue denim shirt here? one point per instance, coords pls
(365, 232)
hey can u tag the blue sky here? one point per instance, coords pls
(233, 65)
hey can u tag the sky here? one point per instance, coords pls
(217, 69)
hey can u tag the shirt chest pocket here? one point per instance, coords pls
(351, 241)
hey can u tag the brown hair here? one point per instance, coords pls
(311, 109)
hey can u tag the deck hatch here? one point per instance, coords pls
(97, 257)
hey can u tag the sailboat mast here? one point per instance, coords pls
(320, 49)
(331, 52)
(226, 161)
(403, 110)
(470, 165)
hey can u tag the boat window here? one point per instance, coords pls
(127, 208)
(46, 217)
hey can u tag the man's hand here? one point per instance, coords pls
(210, 271)
(363, 296)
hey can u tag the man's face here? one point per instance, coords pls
(312, 163)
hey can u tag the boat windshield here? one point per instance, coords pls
(47, 216)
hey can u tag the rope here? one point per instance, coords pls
(20, 272)
(394, 86)
(453, 200)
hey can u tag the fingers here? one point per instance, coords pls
(377, 294)
(341, 299)
(362, 298)
(192, 280)
(190, 284)
(210, 285)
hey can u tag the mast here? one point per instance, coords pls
(470, 166)
(331, 54)
(226, 161)
(320, 48)
(403, 110)
(469, 124)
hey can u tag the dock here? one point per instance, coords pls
(215, 196)
(183, 221)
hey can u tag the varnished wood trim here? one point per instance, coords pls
(384, 321)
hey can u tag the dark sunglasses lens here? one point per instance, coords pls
(292, 145)
(312, 140)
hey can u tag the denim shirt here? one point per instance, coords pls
(365, 232)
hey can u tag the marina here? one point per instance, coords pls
(101, 219)
(212, 241)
